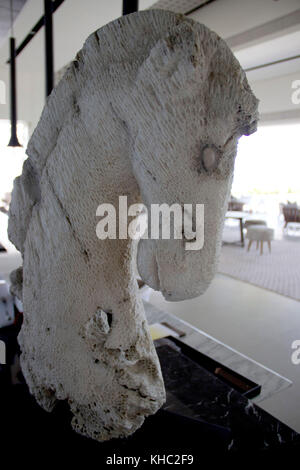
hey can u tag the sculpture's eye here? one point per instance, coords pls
(210, 157)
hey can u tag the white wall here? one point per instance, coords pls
(4, 106)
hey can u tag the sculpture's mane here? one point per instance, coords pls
(130, 38)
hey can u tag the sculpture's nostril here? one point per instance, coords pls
(109, 318)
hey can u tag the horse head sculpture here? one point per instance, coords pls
(152, 108)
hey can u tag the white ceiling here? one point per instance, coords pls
(5, 15)
(235, 17)
(272, 50)
(232, 17)
(178, 6)
(228, 18)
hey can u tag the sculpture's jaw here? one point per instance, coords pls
(183, 268)
(177, 274)
(147, 263)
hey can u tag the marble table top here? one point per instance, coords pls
(192, 391)
(271, 382)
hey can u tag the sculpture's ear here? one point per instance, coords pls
(173, 60)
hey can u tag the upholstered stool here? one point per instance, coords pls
(250, 222)
(260, 234)
(293, 228)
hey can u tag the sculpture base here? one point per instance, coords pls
(194, 391)
(203, 416)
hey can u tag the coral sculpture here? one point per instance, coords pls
(152, 108)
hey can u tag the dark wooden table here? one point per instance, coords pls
(237, 215)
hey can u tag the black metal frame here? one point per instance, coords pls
(130, 6)
(36, 28)
(49, 46)
(13, 97)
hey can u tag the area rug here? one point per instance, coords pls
(278, 271)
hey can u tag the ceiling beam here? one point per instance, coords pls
(203, 4)
(288, 115)
(271, 28)
(275, 62)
